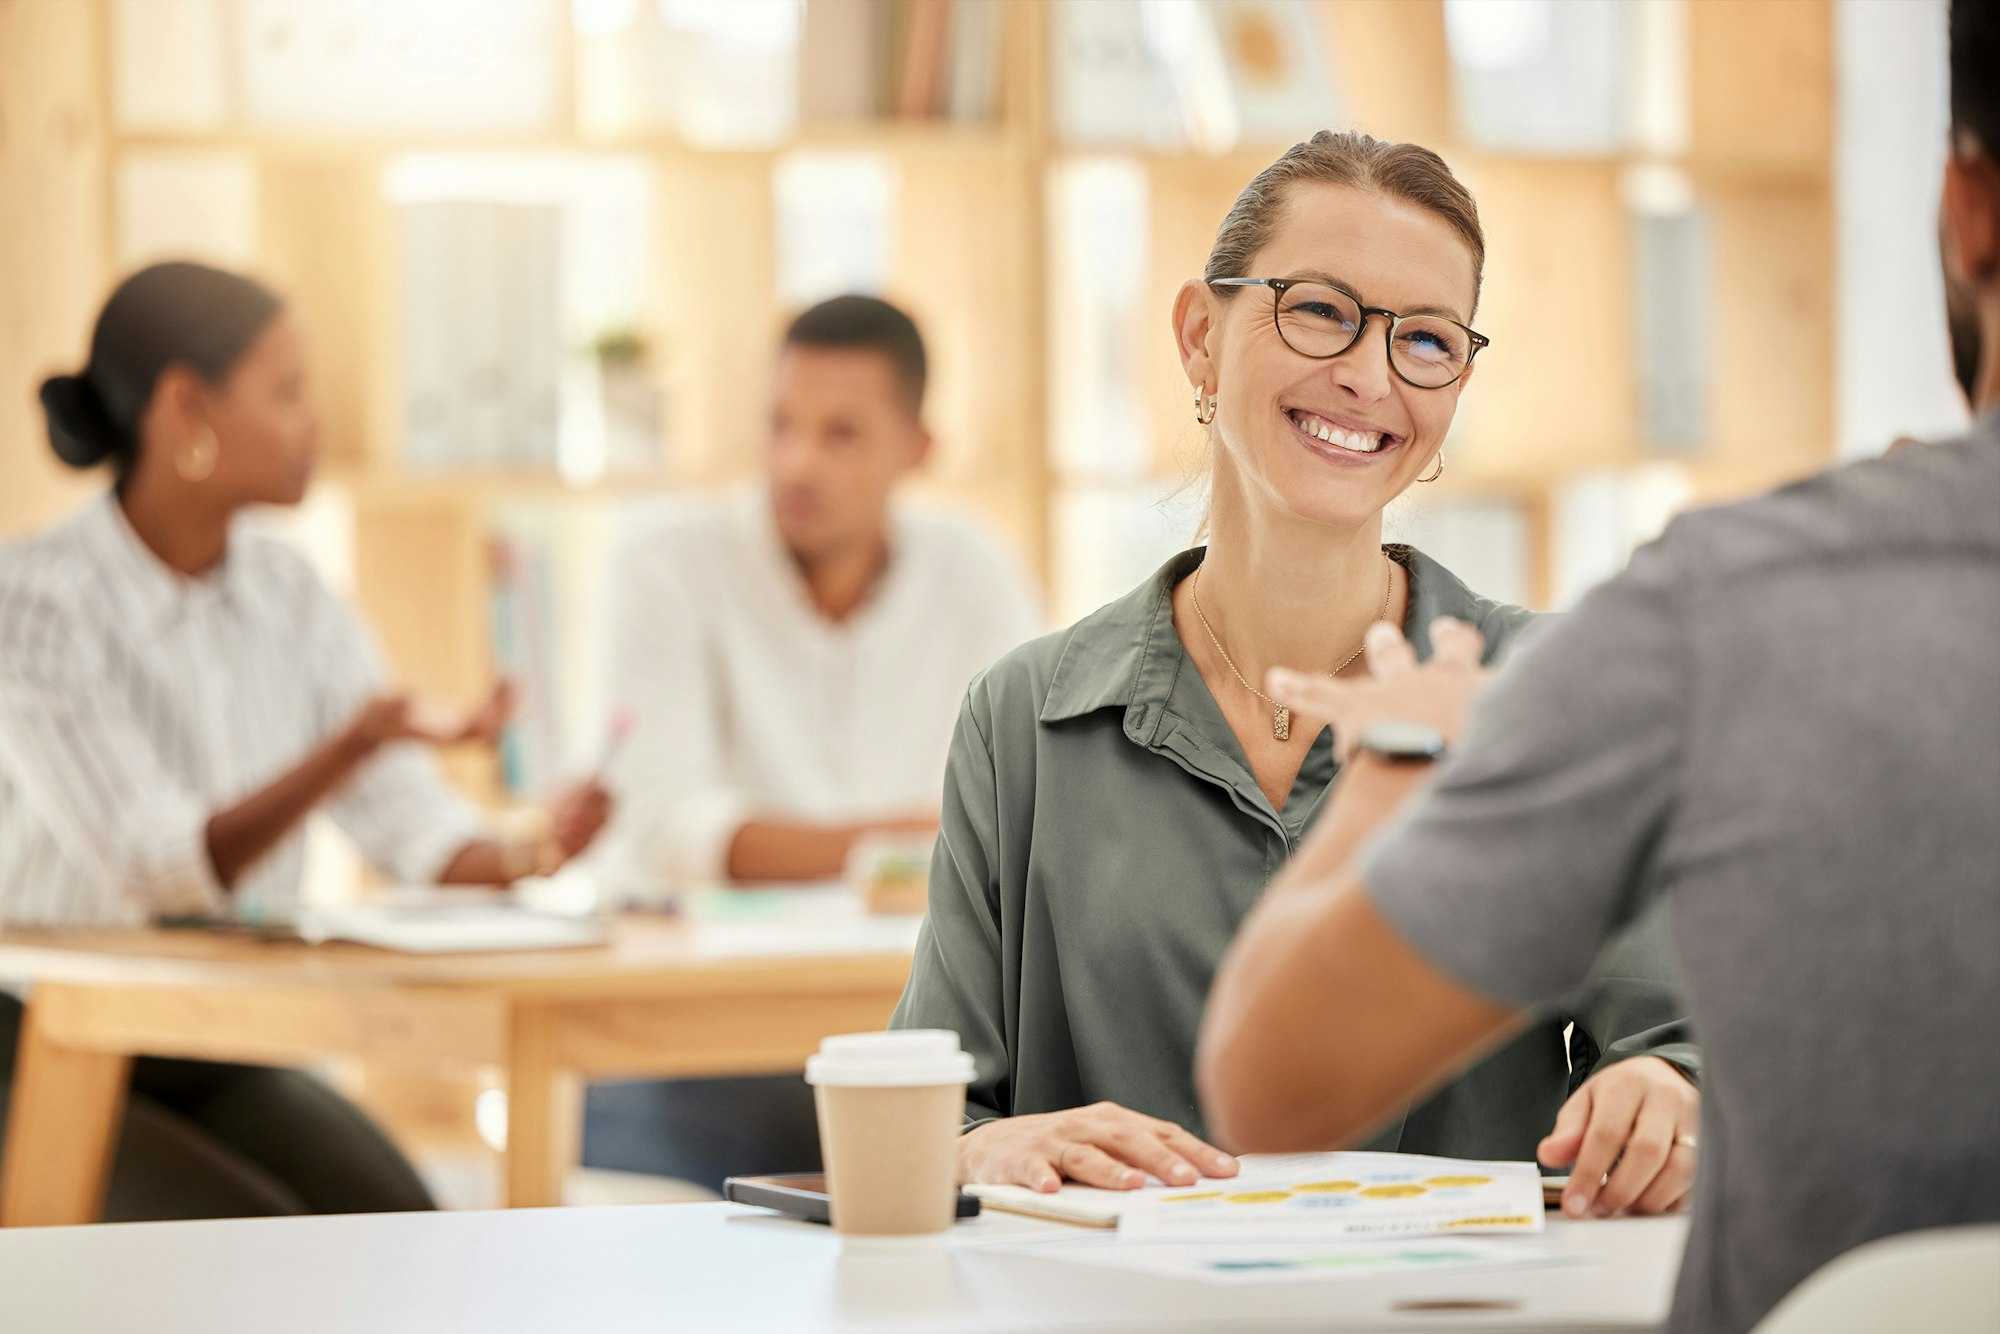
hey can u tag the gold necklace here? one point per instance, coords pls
(1281, 716)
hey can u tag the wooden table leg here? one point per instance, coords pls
(544, 1112)
(62, 1127)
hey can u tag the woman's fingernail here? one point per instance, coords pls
(1132, 1178)
(1576, 1206)
(1183, 1173)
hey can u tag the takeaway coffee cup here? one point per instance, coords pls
(890, 1107)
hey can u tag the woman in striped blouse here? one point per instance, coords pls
(177, 696)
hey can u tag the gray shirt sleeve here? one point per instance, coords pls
(956, 981)
(1540, 838)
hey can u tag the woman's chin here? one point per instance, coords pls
(1346, 502)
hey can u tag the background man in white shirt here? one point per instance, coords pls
(793, 656)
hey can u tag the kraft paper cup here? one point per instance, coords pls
(890, 1108)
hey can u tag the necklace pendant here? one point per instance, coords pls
(1281, 723)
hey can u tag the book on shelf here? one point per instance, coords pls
(862, 60)
(482, 335)
(924, 56)
(978, 36)
(837, 59)
(1111, 84)
(1201, 75)
(1670, 274)
(524, 652)
(1581, 66)
(1281, 83)
(389, 64)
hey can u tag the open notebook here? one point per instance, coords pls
(423, 921)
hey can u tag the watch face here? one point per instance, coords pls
(1398, 740)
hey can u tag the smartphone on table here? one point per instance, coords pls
(803, 1195)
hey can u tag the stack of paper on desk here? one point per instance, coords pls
(450, 927)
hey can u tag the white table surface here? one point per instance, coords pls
(718, 1266)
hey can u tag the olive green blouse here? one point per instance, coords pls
(1103, 838)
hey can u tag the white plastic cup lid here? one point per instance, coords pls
(906, 1059)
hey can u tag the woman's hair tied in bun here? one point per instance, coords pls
(80, 427)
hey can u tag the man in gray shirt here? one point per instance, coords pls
(1783, 722)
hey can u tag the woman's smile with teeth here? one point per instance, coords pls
(1341, 437)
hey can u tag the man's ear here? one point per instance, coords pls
(1195, 317)
(1969, 216)
(922, 445)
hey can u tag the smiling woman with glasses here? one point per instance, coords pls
(1120, 793)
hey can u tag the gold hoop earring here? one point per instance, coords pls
(196, 461)
(1438, 472)
(1204, 407)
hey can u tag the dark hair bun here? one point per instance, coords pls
(80, 428)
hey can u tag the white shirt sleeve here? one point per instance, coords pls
(398, 808)
(89, 772)
(675, 809)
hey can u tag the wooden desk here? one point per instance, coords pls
(665, 997)
(715, 1266)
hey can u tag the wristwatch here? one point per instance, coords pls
(1401, 743)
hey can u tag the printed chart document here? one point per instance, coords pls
(1307, 1197)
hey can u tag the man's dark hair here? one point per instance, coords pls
(1975, 71)
(871, 324)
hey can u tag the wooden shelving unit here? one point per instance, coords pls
(1556, 398)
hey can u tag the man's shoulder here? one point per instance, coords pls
(1943, 496)
(956, 545)
(686, 548)
(684, 524)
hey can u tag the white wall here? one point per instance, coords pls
(1892, 359)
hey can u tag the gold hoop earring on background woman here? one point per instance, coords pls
(1204, 407)
(196, 460)
(1436, 472)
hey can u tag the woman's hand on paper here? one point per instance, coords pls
(1100, 1145)
(1628, 1139)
